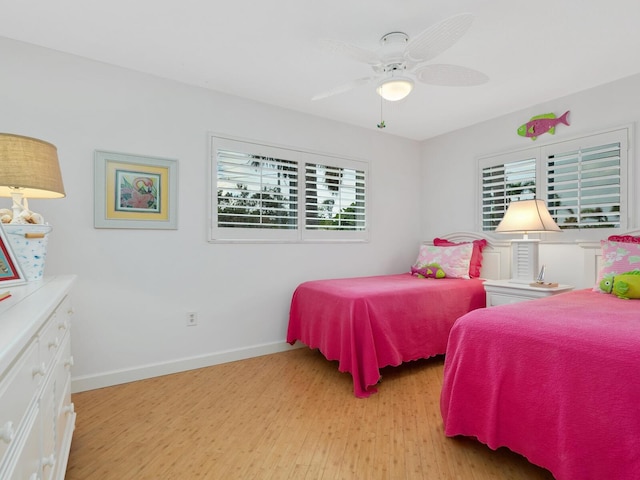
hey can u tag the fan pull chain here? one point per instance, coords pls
(381, 125)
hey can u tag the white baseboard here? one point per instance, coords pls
(116, 377)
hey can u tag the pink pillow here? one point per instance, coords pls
(624, 238)
(453, 260)
(617, 258)
(476, 257)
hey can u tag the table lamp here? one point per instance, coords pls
(526, 216)
(28, 168)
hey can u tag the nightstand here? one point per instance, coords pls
(501, 292)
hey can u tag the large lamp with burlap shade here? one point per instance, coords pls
(29, 168)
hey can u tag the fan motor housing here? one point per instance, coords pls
(392, 53)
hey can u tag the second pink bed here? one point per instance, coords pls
(367, 323)
(554, 379)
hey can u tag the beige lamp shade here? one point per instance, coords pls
(30, 166)
(527, 216)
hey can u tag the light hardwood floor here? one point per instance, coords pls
(289, 415)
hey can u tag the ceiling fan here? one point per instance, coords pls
(400, 59)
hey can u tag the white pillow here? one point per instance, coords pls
(453, 260)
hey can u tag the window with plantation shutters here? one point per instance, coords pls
(265, 193)
(583, 182)
(334, 198)
(503, 183)
(254, 191)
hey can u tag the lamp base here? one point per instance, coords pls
(29, 245)
(524, 260)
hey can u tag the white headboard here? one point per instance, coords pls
(496, 256)
(592, 261)
(593, 258)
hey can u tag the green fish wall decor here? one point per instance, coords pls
(542, 124)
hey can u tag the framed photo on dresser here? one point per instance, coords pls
(10, 271)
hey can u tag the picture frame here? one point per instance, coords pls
(10, 271)
(135, 191)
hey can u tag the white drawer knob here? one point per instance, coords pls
(7, 433)
(55, 343)
(71, 311)
(69, 408)
(39, 370)
(49, 461)
(63, 325)
(69, 362)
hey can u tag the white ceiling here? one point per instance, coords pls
(268, 50)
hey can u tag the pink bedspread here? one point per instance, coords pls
(556, 380)
(367, 323)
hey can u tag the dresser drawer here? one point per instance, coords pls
(17, 393)
(27, 464)
(65, 425)
(505, 292)
(53, 332)
(62, 372)
(500, 299)
(48, 432)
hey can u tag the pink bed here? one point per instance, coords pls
(367, 323)
(557, 381)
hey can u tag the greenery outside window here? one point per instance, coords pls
(584, 183)
(273, 194)
(254, 191)
(507, 180)
(327, 187)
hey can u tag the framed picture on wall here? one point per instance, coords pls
(133, 191)
(10, 271)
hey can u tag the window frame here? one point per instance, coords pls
(541, 152)
(302, 157)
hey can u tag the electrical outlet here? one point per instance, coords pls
(192, 319)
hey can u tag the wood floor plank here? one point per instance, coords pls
(290, 415)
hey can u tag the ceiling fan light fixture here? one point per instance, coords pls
(395, 88)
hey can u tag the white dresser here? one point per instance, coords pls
(36, 413)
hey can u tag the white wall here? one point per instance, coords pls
(450, 197)
(135, 286)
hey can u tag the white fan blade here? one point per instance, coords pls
(344, 88)
(350, 51)
(450, 75)
(437, 38)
